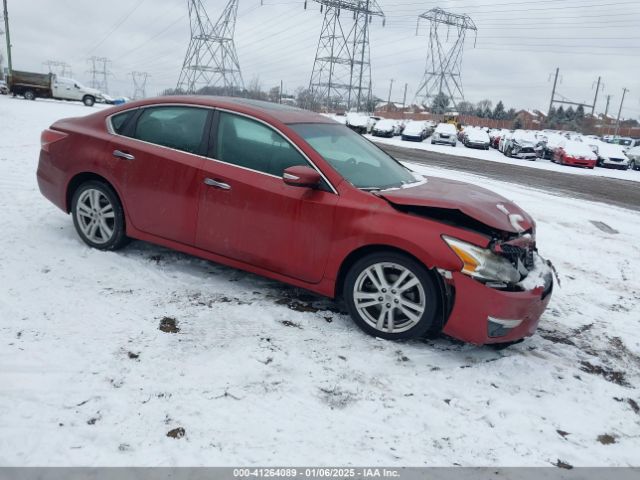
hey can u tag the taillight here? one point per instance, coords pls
(50, 136)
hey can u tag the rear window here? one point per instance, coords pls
(119, 122)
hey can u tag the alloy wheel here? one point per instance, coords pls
(95, 216)
(389, 297)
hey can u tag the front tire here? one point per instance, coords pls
(98, 216)
(88, 100)
(29, 95)
(392, 296)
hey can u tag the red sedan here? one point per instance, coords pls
(299, 198)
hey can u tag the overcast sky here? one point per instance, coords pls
(519, 44)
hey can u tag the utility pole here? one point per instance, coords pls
(404, 99)
(624, 93)
(606, 113)
(6, 28)
(389, 100)
(595, 100)
(553, 93)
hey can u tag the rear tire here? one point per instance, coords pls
(29, 95)
(98, 216)
(410, 296)
(88, 100)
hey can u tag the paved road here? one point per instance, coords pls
(623, 193)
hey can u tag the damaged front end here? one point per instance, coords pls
(502, 287)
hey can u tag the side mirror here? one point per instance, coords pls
(300, 176)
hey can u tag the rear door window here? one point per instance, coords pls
(180, 128)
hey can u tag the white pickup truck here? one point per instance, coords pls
(34, 85)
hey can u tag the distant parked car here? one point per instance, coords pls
(476, 138)
(384, 128)
(358, 123)
(612, 156)
(577, 154)
(414, 131)
(496, 135)
(444, 133)
(4, 89)
(634, 158)
(521, 145)
(547, 148)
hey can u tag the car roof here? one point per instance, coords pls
(258, 108)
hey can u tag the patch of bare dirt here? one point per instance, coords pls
(614, 376)
(176, 433)
(169, 325)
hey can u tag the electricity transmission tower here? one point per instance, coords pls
(211, 59)
(139, 84)
(444, 55)
(99, 73)
(62, 69)
(341, 75)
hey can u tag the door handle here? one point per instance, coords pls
(120, 154)
(216, 184)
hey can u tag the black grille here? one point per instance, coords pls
(513, 254)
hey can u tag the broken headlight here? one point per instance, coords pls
(481, 263)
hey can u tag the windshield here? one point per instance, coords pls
(359, 161)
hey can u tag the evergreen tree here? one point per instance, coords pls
(498, 112)
(440, 103)
(570, 114)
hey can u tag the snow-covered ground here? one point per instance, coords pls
(494, 155)
(261, 373)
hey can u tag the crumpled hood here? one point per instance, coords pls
(478, 203)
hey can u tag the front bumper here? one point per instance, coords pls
(524, 155)
(483, 315)
(378, 133)
(579, 162)
(477, 145)
(447, 140)
(412, 138)
(617, 163)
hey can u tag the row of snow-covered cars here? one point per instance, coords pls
(409, 130)
(566, 148)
